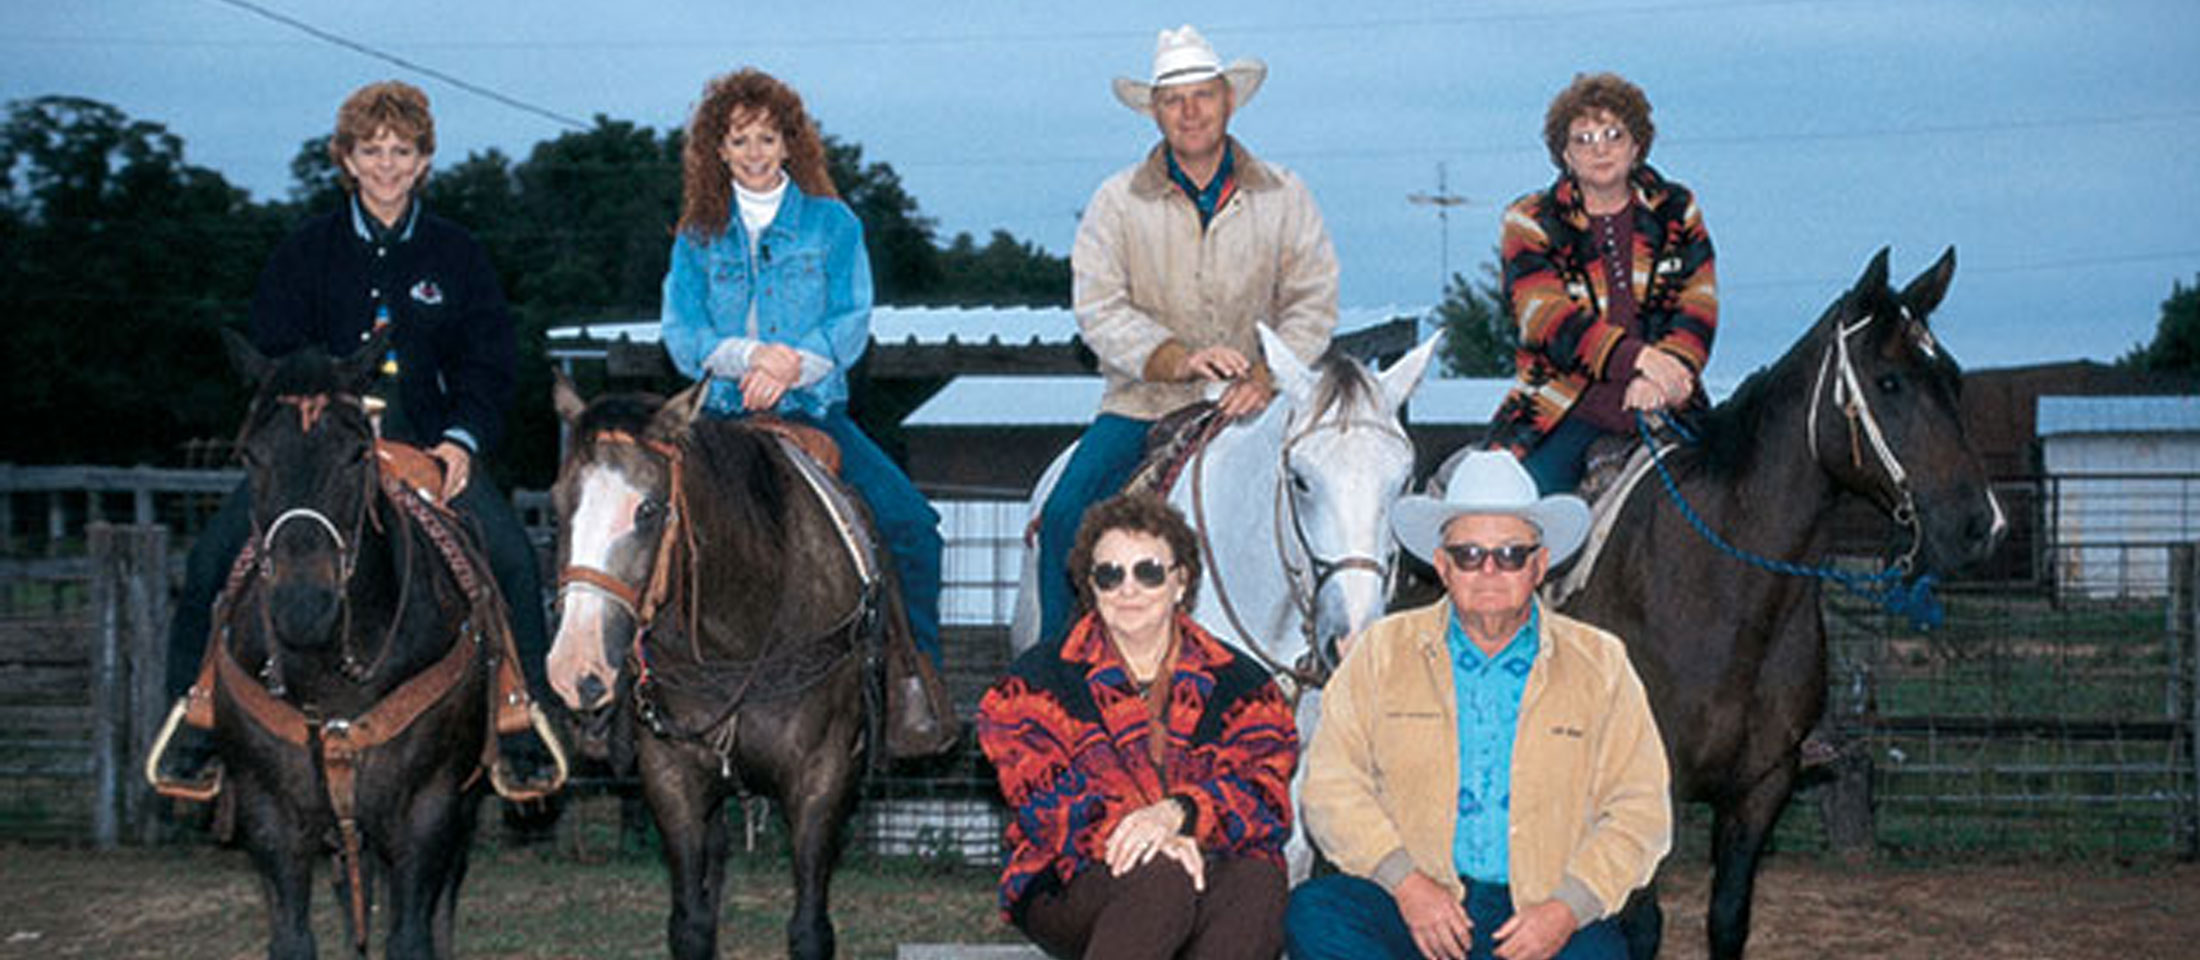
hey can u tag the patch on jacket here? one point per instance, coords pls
(1562, 730)
(427, 292)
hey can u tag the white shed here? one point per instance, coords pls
(2123, 480)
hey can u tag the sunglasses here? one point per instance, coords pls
(1150, 573)
(1510, 557)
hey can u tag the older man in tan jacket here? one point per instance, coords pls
(1178, 258)
(1487, 774)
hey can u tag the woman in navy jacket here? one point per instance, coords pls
(378, 261)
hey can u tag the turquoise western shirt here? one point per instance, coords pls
(1488, 690)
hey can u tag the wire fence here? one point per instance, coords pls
(2052, 713)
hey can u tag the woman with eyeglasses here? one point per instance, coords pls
(1149, 765)
(1609, 276)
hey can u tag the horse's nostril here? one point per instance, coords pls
(591, 690)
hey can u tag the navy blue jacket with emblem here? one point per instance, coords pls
(456, 352)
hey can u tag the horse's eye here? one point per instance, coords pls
(1889, 383)
(649, 511)
(1298, 482)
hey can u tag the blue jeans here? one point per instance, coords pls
(1343, 917)
(907, 524)
(1106, 457)
(1558, 461)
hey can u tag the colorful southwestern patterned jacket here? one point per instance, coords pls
(1557, 286)
(1067, 731)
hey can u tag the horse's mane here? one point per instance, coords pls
(1735, 427)
(732, 482)
(1343, 384)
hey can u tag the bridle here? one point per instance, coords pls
(311, 410)
(1307, 578)
(1837, 367)
(642, 602)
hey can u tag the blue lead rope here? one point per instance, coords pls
(1913, 600)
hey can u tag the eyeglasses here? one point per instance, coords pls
(1150, 573)
(1468, 557)
(1588, 139)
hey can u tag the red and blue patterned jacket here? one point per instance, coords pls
(1067, 733)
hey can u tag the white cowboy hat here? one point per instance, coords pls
(1491, 481)
(1183, 56)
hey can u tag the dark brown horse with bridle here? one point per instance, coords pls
(359, 669)
(722, 611)
(1732, 651)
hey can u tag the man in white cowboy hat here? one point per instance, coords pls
(1487, 775)
(1178, 258)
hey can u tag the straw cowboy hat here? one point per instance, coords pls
(1491, 481)
(1183, 56)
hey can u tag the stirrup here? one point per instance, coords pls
(201, 790)
(520, 791)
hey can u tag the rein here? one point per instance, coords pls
(1914, 601)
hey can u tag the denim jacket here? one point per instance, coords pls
(810, 281)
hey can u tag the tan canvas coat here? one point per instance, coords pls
(1151, 286)
(1591, 816)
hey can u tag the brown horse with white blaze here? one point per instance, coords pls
(714, 616)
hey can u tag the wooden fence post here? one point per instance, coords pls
(146, 650)
(1845, 804)
(107, 700)
(129, 594)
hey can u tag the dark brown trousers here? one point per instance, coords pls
(1152, 913)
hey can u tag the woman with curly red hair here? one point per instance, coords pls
(1610, 276)
(769, 299)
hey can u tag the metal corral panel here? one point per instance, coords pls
(2123, 477)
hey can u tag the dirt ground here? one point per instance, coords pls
(198, 902)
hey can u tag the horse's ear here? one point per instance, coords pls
(1292, 374)
(564, 398)
(250, 363)
(1875, 273)
(1923, 294)
(357, 372)
(1404, 377)
(674, 418)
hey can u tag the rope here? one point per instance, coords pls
(1913, 600)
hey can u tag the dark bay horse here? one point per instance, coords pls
(712, 609)
(352, 666)
(1733, 656)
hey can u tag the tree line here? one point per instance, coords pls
(120, 260)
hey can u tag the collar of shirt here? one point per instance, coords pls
(1465, 655)
(1206, 199)
(372, 230)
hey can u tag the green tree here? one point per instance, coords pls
(1004, 271)
(2176, 346)
(1479, 333)
(905, 264)
(122, 261)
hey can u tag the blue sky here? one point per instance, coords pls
(2053, 144)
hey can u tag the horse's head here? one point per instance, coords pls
(308, 452)
(618, 503)
(1886, 417)
(1345, 461)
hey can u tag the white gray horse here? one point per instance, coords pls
(1292, 508)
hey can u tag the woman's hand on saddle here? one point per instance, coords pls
(777, 359)
(1672, 378)
(761, 390)
(458, 467)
